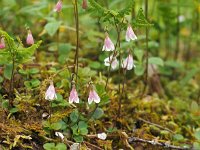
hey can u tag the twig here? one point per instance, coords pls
(92, 145)
(155, 143)
(157, 125)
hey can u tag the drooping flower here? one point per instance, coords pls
(128, 63)
(51, 93)
(29, 39)
(108, 44)
(84, 4)
(93, 96)
(112, 61)
(58, 6)
(60, 135)
(75, 146)
(2, 43)
(73, 97)
(130, 35)
(102, 136)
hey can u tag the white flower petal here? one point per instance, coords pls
(102, 136)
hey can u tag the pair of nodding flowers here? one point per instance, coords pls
(73, 97)
(29, 40)
(127, 63)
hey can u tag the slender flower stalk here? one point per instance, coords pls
(128, 63)
(29, 39)
(73, 97)
(2, 43)
(93, 96)
(58, 6)
(108, 44)
(76, 57)
(130, 35)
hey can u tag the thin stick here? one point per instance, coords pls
(155, 143)
(94, 146)
(157, 125)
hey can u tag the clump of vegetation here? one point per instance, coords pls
(88, 74)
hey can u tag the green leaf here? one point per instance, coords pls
(194, 106)
(49, 146)
(74, 116)
(1, 79)
(197, 135)
(34, 71)
(61, 146)
(14, 110)
(95, 65)
(8, 71)
(98, 113)
(5, 104)
(83, 131)
(190, 74)
(75, 129)
(156, 61)
(52, 27)
(178, 137)
(56, 126)
(139, 70)
(141, 19)
(35, 83)
(196, 146)
(139, 54)
(78, 138)
(82, 124)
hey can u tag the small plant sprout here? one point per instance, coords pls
(108, 44)
(84, 4)
(73, 97)
(29, 39)
(130, 35)
(111, 61)
(102, 136)
(93, 96)
(128, 63)
(50, 93)
(2, 43)
(58, 6)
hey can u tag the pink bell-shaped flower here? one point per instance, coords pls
(128, 63)
(29, 39)
(51, 93)
(114, 62)
(58, 6)
(73, 97)
(84, 4)
(93, 96)
(108, 44)
(130, 35)
(2, 43)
